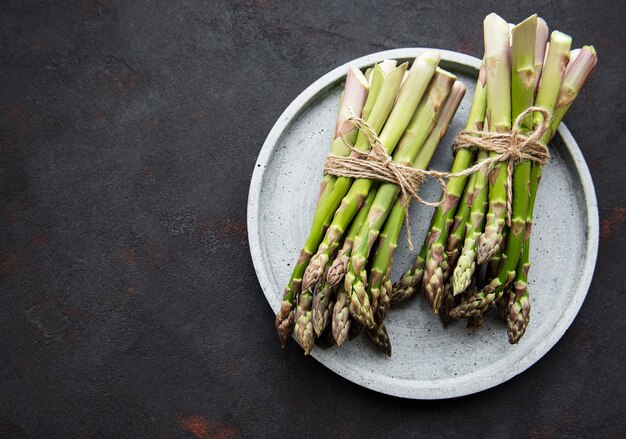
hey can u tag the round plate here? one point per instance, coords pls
(428, 360)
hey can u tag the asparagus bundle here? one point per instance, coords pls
(353, 102)
(402, 109)
(518, 73)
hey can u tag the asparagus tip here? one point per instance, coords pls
(284, 322)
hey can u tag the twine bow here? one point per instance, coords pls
(377, 164)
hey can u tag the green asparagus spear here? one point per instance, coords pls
(498, 66)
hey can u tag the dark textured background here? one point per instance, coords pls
(129, 305)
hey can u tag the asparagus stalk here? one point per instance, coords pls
(459, 225)
(518, 303)
(523, 91)
(453, 248)
(553, 74)
(493, 266)
(541, 37)
(549, 86)
(387, 244)
(418, 130)
(540, 47)
(433, 279)
(466, 263)
(337, 270)
(446, 301)
(381, 306)
(578, 71)
(499, 120)
(413, 277)
(353, 102)
(408, 99)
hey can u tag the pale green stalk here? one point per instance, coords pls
(499, 121)
(579, 70)
(541, 39)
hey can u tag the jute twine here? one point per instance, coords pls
(510, 148)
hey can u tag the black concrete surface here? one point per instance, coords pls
(129, 305)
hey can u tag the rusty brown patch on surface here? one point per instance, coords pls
(37, 47)
(130, 290)
(129, 256)
(203, 428)
(72, 312)
(208, 224)
(542, 433)
(39, 240)
(9, 262)
(612, 222)
(97, 115)
(232, 368)
(235, 227)
(568, 418)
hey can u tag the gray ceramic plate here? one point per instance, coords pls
(428, 361)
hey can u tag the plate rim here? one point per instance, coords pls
(416, 389)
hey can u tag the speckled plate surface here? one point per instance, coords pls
(428, 361)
